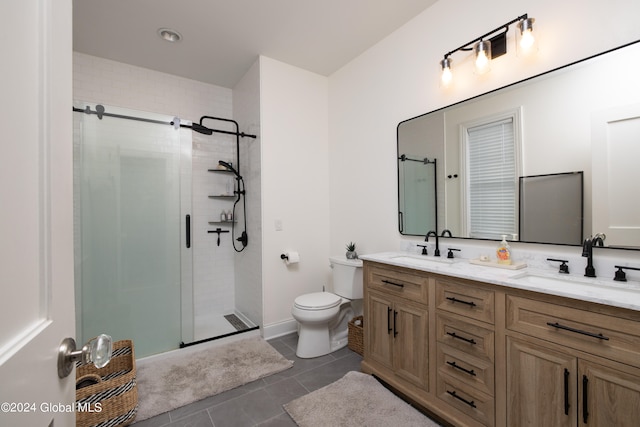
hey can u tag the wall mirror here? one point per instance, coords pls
(575, 130)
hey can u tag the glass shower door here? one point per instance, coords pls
(130, 229)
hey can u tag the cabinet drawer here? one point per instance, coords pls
(480, 406)
(464, 336)
(469, 301)
(468, 369)
(608, 336)
(399, 283)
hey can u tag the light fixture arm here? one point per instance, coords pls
(469, 45)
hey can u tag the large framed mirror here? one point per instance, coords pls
(533, 159)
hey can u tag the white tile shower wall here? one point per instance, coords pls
(99, 80)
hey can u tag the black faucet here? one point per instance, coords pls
(587, 251)
(446, 231)
(426, 239)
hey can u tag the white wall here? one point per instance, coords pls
(295, 187)
(399, 78)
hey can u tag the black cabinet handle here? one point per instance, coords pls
(585, 399)
(188, 230)
(400, 285)
(462, 399)
(458, 337)
(578, 331)
(395, 319)
(468, 371)
(469, 303)
(388, 320)
(566, 391)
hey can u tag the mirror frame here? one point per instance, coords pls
(510, 85)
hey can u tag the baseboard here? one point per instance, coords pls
(275, 330)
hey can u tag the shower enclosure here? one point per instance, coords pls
(148, 267)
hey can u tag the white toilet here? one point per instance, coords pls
(323, 317)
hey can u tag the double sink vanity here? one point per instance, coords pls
(482, 346)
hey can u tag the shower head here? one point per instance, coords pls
(201, 129)
(228, 166)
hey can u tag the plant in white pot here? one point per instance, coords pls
(351, 251)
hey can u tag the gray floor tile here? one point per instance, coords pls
(157, 421)
(282, 420)
(260, 402)
(199, 419)
(231, 414)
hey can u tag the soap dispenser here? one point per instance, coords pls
(503, 253)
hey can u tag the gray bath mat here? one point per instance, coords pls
(192, 374)
(356, 399)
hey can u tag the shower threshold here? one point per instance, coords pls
(217, 326)
(183, 345)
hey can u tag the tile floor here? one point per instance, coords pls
(260, 403)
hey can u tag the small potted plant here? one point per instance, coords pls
(351, 251)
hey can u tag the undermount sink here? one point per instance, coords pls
(540, 280)
(559, 282)
(422, 260)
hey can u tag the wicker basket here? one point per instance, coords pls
(356, 339)
(113, 401)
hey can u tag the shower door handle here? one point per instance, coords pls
(188, 230)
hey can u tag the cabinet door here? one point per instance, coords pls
(410, 343)
(608, 397)
(379, 330)
(541, 386)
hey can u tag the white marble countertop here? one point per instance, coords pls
(597, 290)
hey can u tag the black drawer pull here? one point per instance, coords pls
(566, 391)
(389, 320)
(395, 319)
(468, 371)
(469, 303)
(578, 331)
(469, 340)
(462, 399)
(400, 285)
(187, 230)
(585, 399)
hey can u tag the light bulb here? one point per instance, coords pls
(482, 61)
(447, 76)
(483, 55)
(527, 40)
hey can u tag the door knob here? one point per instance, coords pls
(97, 350)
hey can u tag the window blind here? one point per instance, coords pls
(492, 180)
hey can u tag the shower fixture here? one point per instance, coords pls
(240, 192)
(200, 128)
(229, 167)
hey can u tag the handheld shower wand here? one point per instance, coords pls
(229, 167)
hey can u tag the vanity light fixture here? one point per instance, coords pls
(490, 45)
(169, 35)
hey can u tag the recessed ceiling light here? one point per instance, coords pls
(169, 35)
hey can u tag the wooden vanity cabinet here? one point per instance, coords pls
(476, 354)
(573, 378)
(396, 311)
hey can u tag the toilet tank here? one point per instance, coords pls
(347, 277)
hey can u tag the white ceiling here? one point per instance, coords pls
(223, 38)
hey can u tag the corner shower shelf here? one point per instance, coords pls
(222, 222)
(223, 196)
(220, 170)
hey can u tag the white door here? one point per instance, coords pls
(615, 135)
(36, 212)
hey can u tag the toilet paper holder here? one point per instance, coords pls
(284, 256)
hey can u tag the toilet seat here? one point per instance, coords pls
(317, 301)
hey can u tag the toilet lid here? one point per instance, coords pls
(317, 301)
